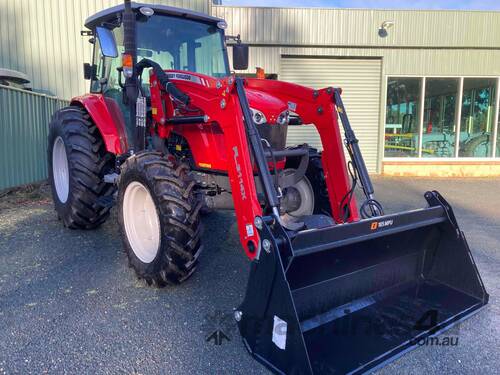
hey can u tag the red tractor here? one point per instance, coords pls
(168, 132)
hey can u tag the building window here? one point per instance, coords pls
(440, 117)
(476, 121)
(453, 122)
(402, 117)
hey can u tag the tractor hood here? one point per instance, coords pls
(269, 105)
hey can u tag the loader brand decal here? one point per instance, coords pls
(185, 77)
(381, 224)
(250, 231)
(239, 173)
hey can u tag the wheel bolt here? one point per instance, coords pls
(238, 315)
(266, 244)
(258, 222)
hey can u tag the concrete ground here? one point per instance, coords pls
(69, 303)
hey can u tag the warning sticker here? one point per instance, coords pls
(279, 332)
(249, 230)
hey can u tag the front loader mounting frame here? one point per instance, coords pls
(224, 101)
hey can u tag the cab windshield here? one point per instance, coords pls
(182, 44)
(173, 42)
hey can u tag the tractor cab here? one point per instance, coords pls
(176, 39)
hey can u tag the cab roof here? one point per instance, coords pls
(110, 13)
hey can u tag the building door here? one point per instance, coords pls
(360, 80)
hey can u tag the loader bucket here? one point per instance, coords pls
(348, 298)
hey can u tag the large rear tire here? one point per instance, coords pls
(78, 161)
(159, 218)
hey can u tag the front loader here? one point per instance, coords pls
(168, 133)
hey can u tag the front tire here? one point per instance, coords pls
(159, 218)
(77, 163)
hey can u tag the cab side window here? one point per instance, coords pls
(98, 62)
(107, 76)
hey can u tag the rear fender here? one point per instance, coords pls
(108, 118)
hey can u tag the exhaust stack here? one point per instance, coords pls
(132, 89)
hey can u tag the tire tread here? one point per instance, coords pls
(179, 215)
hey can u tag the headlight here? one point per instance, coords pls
(283, 118)
(258, 116)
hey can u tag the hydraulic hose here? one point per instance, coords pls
(163, 79)
(358, 162)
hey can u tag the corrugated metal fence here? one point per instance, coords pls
(24, 119)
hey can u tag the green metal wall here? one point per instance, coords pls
(42, 39)
(421, 43)
(359, 27)
(24, 119)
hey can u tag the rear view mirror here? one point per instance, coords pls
(240, 56)
(107, 42)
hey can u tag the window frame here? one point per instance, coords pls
(458, 115)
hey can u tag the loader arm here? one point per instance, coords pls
(224, 105)
(219, 102)
(317, 108)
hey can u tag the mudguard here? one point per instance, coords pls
(107, 116)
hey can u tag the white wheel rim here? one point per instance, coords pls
(306, 193)
(141, 221)
(60, 170)
(306, 198)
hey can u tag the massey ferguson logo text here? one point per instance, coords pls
(184, 77)
(239, 173)
(381, 224)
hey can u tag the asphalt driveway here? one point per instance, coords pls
(70, 304)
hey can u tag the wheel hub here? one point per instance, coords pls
(60, 169)
(298, 201)
(141, 222)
